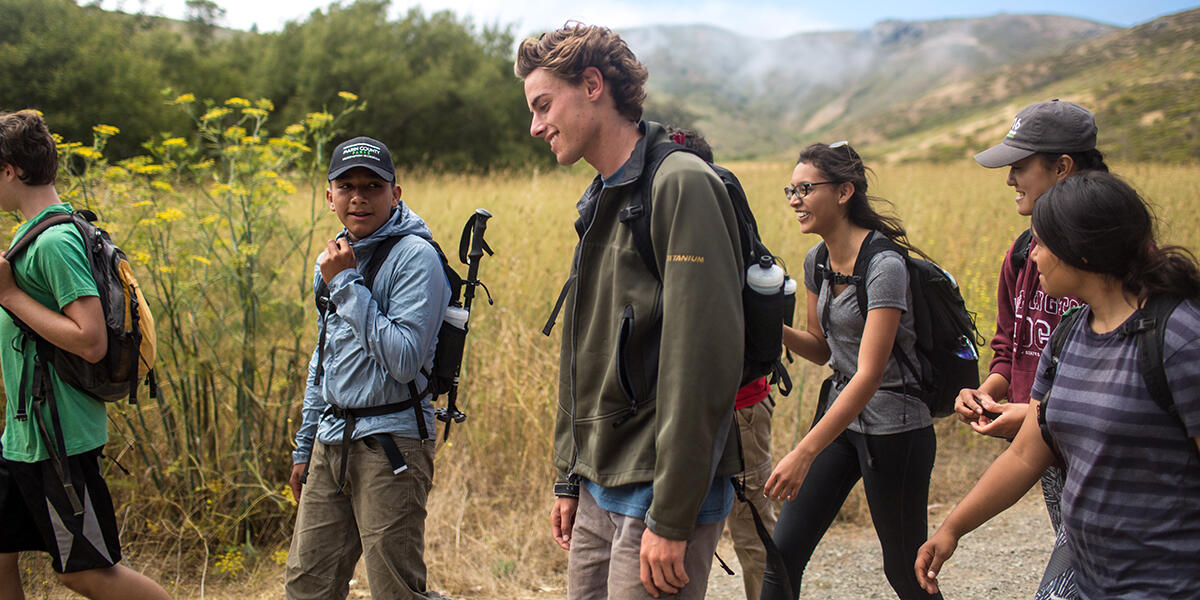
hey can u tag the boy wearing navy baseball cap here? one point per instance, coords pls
(363, 464)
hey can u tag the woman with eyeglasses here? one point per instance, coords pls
(867, 427)
(1047, 143)
(1119, 398)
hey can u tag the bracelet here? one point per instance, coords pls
(566, 490)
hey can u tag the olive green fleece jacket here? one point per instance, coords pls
(618, 422)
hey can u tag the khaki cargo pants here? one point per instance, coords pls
(754, 423)
(378, 515)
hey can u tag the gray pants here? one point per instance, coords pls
(378, 515)
(605, 556)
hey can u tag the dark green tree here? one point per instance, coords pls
(436, 91)
(79, 69)
(441, 93)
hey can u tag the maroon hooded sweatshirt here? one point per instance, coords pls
(1025, 316)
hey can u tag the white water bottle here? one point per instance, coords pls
(457, 317)
(766, 277)
(789, 287)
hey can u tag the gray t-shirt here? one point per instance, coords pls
(887, 287)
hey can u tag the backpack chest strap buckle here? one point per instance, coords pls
(1139, 325)
(631, 213)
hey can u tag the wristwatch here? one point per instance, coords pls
(566, 489)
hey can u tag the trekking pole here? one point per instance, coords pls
(471, 247)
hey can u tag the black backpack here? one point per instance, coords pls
(129, 329)
(946, 360)
(1020, 252)
(764, 315)
(1150, 330)
(128, 323)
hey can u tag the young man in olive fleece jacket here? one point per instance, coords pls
(643, 454)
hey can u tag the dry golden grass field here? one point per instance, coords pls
(487, 531)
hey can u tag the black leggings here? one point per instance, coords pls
(895, 472)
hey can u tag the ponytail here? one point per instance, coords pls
(1164, 270)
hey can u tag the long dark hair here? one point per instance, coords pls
(1096, 222)
(842, 164)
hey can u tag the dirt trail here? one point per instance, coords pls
(999, 561)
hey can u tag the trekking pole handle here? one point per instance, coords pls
(477, 229)
(476, 248)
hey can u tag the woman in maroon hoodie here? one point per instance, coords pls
(1048, 142)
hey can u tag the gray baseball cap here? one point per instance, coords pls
(1060, 127)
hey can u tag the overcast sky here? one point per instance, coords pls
(760, 18)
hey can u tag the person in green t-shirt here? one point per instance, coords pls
(52, 291)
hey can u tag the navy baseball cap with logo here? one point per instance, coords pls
(1058, 127)
(362, 151)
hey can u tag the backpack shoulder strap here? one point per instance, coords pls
(822, 273)
(452, 277)
(1058, 340)
(821, 264)
(752, 246)
(1020, 249)
(18, 250)
(1151, 330)
(369, 272)
(380, 256)
(27, 240)
(637, 213)
(866, 253)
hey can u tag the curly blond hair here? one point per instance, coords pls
(568, 51)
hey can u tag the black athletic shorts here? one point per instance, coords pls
(35, 513)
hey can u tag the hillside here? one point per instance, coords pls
(1143, 84)
(751, 94)
(930, 90)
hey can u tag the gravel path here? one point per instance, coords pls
(999, 561)
(1003, 560)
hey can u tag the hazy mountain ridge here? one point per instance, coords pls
(894, 80)
(1143, 83)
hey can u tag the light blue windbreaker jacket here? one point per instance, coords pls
(378, 340)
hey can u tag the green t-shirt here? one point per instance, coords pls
(54, 271)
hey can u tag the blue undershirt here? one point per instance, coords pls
(633, 500)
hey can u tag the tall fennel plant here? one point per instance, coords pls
(209, 219)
